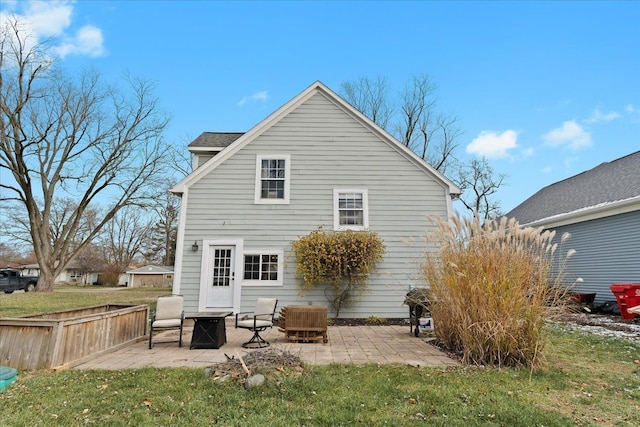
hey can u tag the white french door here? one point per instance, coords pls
(220, 280)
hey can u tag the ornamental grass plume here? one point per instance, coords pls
(491, 286)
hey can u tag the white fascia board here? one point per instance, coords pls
(205, 149)
(602, 210)
(177, 265)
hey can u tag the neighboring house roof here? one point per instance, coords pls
(73, 265)
(608, 189)
(214, 140)
(31, 266)
(152, 269)
(317, 87)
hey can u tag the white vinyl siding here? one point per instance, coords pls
(272, 179)
(328, 150)
(350, 209)
(262, 268)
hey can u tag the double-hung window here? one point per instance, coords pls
(350, 209)
(263, 268)
(272, 179)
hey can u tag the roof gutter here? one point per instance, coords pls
(602, 210)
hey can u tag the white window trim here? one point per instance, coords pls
(336, 210)
(287, 178)
(263, 283)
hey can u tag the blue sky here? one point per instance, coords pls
(545, 90)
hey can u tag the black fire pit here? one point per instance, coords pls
(418, 301)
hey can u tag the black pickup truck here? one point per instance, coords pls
(11, 280)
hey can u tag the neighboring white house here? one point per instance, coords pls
(72, 274)
(600, 208)
(315, 162)
(150, 275)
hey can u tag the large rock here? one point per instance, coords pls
(254, 381)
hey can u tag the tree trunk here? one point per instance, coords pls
(46, 280)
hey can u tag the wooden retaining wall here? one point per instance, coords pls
(51, 340)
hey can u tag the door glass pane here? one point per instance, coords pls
(222, 267)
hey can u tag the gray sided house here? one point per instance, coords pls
(315, 162)
(601, 210)
(150, 276)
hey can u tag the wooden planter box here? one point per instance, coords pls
(50, 340)
(303, 323)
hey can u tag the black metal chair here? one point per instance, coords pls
(257, 321)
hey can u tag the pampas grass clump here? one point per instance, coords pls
(491, 286)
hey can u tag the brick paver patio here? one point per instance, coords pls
(347, 344)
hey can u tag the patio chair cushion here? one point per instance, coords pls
(169, 315)
(169, 308)
(265, 308)
(249, 323)
(168, 323)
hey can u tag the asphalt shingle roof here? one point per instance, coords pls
(152, 269)
(608, 182)
(216, 139)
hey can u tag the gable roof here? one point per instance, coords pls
(317, 87)
(609, 188)
(214, 140)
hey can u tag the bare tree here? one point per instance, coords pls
(75, 138)
(431, 134)
(417, 123)
(124, 237)
(417, 108)
(89, 260)
(162, 243)
(10, 256)
(17, 226)
(479, 183)
(181, 159)
(439, 142)
(371, 98)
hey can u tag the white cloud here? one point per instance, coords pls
(88, 41)
(599, 116)
(571, 134)
(258, 96)
(633, 112)
(48, 19)
(52, 20)
(493, 145)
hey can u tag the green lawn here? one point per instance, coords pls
(588, 380)
(69, 297)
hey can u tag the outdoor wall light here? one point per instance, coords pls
(194, 247)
